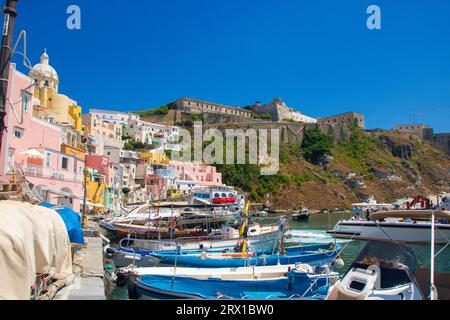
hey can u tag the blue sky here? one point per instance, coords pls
(318, 56)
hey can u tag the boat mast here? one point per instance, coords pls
(433, 293)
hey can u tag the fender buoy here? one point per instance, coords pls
(132, 291)
(121, 279)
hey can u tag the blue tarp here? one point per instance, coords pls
(72, 222)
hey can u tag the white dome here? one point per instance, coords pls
(44, 70)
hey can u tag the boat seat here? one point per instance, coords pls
(338, 293)
(441, 281)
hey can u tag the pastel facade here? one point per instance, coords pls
(53, 105)
(33, 144)
(115, 117)
(159, 135)
(200, 174)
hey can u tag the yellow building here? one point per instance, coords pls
(154, 158)
(96, 190)
(53, 105)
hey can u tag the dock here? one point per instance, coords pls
(89, 276)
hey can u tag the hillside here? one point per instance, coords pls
(325, 174)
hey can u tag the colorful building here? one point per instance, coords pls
(200, 174)
(32, 145)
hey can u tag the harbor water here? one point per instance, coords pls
(315, 231)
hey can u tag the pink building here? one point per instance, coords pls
(33, 146)
(202, 174)
(154, 185)
(103, 166)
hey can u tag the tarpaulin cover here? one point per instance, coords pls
(33, 240)
(72, 221)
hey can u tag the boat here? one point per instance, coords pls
(150, 231)
(410, 227)
(387, 269)
(137, 250)
(237, 283)
(301, 215)
(312, 254)
(217, 195)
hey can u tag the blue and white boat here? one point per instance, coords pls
(318, 254)
(300, 282)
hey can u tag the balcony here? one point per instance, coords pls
(32, 170)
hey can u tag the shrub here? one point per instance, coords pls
(316, 144)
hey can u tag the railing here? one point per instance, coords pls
(31, 170)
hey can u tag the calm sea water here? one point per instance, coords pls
(314, 231)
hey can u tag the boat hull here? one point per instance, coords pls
(314, 255)
(399, 231)
(124, 257)
(300, 285)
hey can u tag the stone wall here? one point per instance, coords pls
(289, 132)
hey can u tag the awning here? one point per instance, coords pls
(411, 214)
(94, 205)
(60, 192)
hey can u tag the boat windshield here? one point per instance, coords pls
(387, 254)
(396, 262)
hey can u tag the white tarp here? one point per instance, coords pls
(33, 240)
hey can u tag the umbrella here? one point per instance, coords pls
(33, 153)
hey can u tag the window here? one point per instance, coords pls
(25, 97)
(65, 163)
(18, 132)
(47, 159)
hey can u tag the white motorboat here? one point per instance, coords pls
(409, 227)
(256, 272)
(387, 270)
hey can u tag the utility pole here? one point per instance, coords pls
(5, 58)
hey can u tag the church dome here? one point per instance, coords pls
(43, 70)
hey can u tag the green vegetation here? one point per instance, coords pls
(358, 145)
(263, 116)
(288, 150)
(355, 151)
(156, 111)
(132, 145)
(195, 117)
(316, 144)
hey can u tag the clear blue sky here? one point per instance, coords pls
(318, 56)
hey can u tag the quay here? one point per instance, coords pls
(89, 282)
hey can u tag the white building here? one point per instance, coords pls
(164, 136)
(115, 117)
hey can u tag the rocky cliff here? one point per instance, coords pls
(386, 165)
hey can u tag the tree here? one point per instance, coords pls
(316, 144)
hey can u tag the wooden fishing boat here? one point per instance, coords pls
(136, 251)
(296, 283)
(312, 254)
(155, 232)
